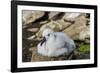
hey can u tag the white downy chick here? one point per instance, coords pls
(55, 44)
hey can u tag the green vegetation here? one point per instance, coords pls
(84, 48)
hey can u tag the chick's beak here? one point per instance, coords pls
(43, 40)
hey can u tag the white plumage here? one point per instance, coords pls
(55, 44)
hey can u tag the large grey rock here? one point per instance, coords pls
(78, 30)
(71, 16)
(30, 16)
(58, 25)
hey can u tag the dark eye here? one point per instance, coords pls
(48, 34)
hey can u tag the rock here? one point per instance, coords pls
(71, 16)
(53, 14)
(75, 29)
(31, 16)
(85, 34)
(44, 22)
(55, 25)
(63, 25)
(31, 37)
(85, 56)
(50, 24)
(56, 15)
(34, 30)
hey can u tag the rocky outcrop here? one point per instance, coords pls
(74, 29)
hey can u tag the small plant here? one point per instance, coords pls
(84, 48)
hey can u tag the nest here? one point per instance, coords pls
(37, 57)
